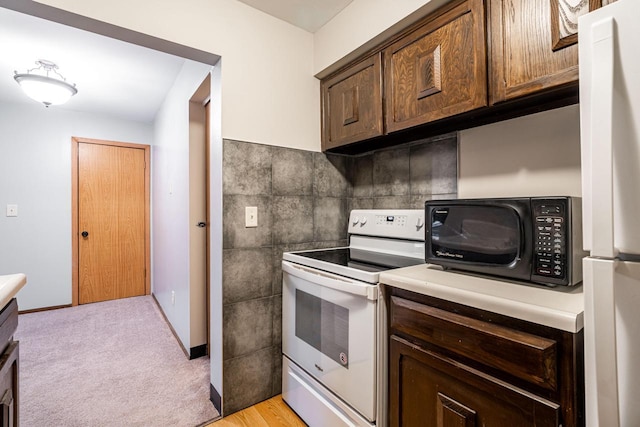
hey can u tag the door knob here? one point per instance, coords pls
(201, 224)
(85, 234)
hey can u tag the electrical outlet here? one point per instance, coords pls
(251, 216)
(173, 297)
(12, 210)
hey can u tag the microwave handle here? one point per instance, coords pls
(329, 280)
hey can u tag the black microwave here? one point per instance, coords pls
(534, 239)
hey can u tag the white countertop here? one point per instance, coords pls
(9, 286)
(560, 307)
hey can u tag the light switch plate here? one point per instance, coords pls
(12, 210)
(251, 216)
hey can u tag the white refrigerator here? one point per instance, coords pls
(609, 45)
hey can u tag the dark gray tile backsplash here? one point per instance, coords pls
(330, 218)
(246, 168)
(331, 175)
(303, 199)
(292, 219)
(248, 379)
(434, 167)
(292, 172)
(241, 283)
(405, 177)
(362, 176)
(252, 324)
(391, 172)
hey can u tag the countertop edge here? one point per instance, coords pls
(10, 285)
(546, 316)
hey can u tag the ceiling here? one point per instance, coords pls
(309, 15)
(113, 77)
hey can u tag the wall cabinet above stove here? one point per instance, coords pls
(470, 63)
(352, 104)
(438, 70)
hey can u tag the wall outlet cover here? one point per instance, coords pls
(12, 210)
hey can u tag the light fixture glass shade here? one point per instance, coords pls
(37, 84)
(44, 89)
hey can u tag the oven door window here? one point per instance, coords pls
(487, 235)
(323, 325)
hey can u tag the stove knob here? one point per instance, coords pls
(356, 220)
(419, 224)
(363, 222)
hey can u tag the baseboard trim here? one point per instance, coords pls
(173, 331)
(215, 398)
(198, 351)
(36, 310)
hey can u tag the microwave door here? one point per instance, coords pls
(486, 235)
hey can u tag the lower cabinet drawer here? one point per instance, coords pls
(430, 390)
(520, 354)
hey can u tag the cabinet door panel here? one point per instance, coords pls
(439, 70)
(352, 104)
(525, 55)
(430, 390)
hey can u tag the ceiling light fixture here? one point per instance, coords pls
(45, 84)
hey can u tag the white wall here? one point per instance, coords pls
(360, 26)
(35, 174)
(269, 93)
(170, 210)
(536, 155)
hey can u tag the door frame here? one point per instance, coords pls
(199, 111)
(75, 142)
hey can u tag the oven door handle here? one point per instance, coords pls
(329, 280)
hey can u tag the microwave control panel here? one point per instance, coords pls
(550, 237)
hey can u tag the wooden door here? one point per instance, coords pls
(111, 209)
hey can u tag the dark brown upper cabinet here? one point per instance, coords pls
(512, 57)
(438, 70)
(534, 45)
(352, 104)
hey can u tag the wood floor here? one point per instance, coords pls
(270, 413)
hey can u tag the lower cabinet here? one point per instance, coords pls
(9, 386)
(453, 365)
(428, 389)
(9, 396)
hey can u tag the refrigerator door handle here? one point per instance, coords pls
(601, 342)
(602, 78)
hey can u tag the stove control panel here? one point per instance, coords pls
(393, 223)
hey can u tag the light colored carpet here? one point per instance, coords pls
(112, 363)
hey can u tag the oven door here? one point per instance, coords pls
(329, 330)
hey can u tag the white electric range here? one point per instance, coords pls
(334, 319)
